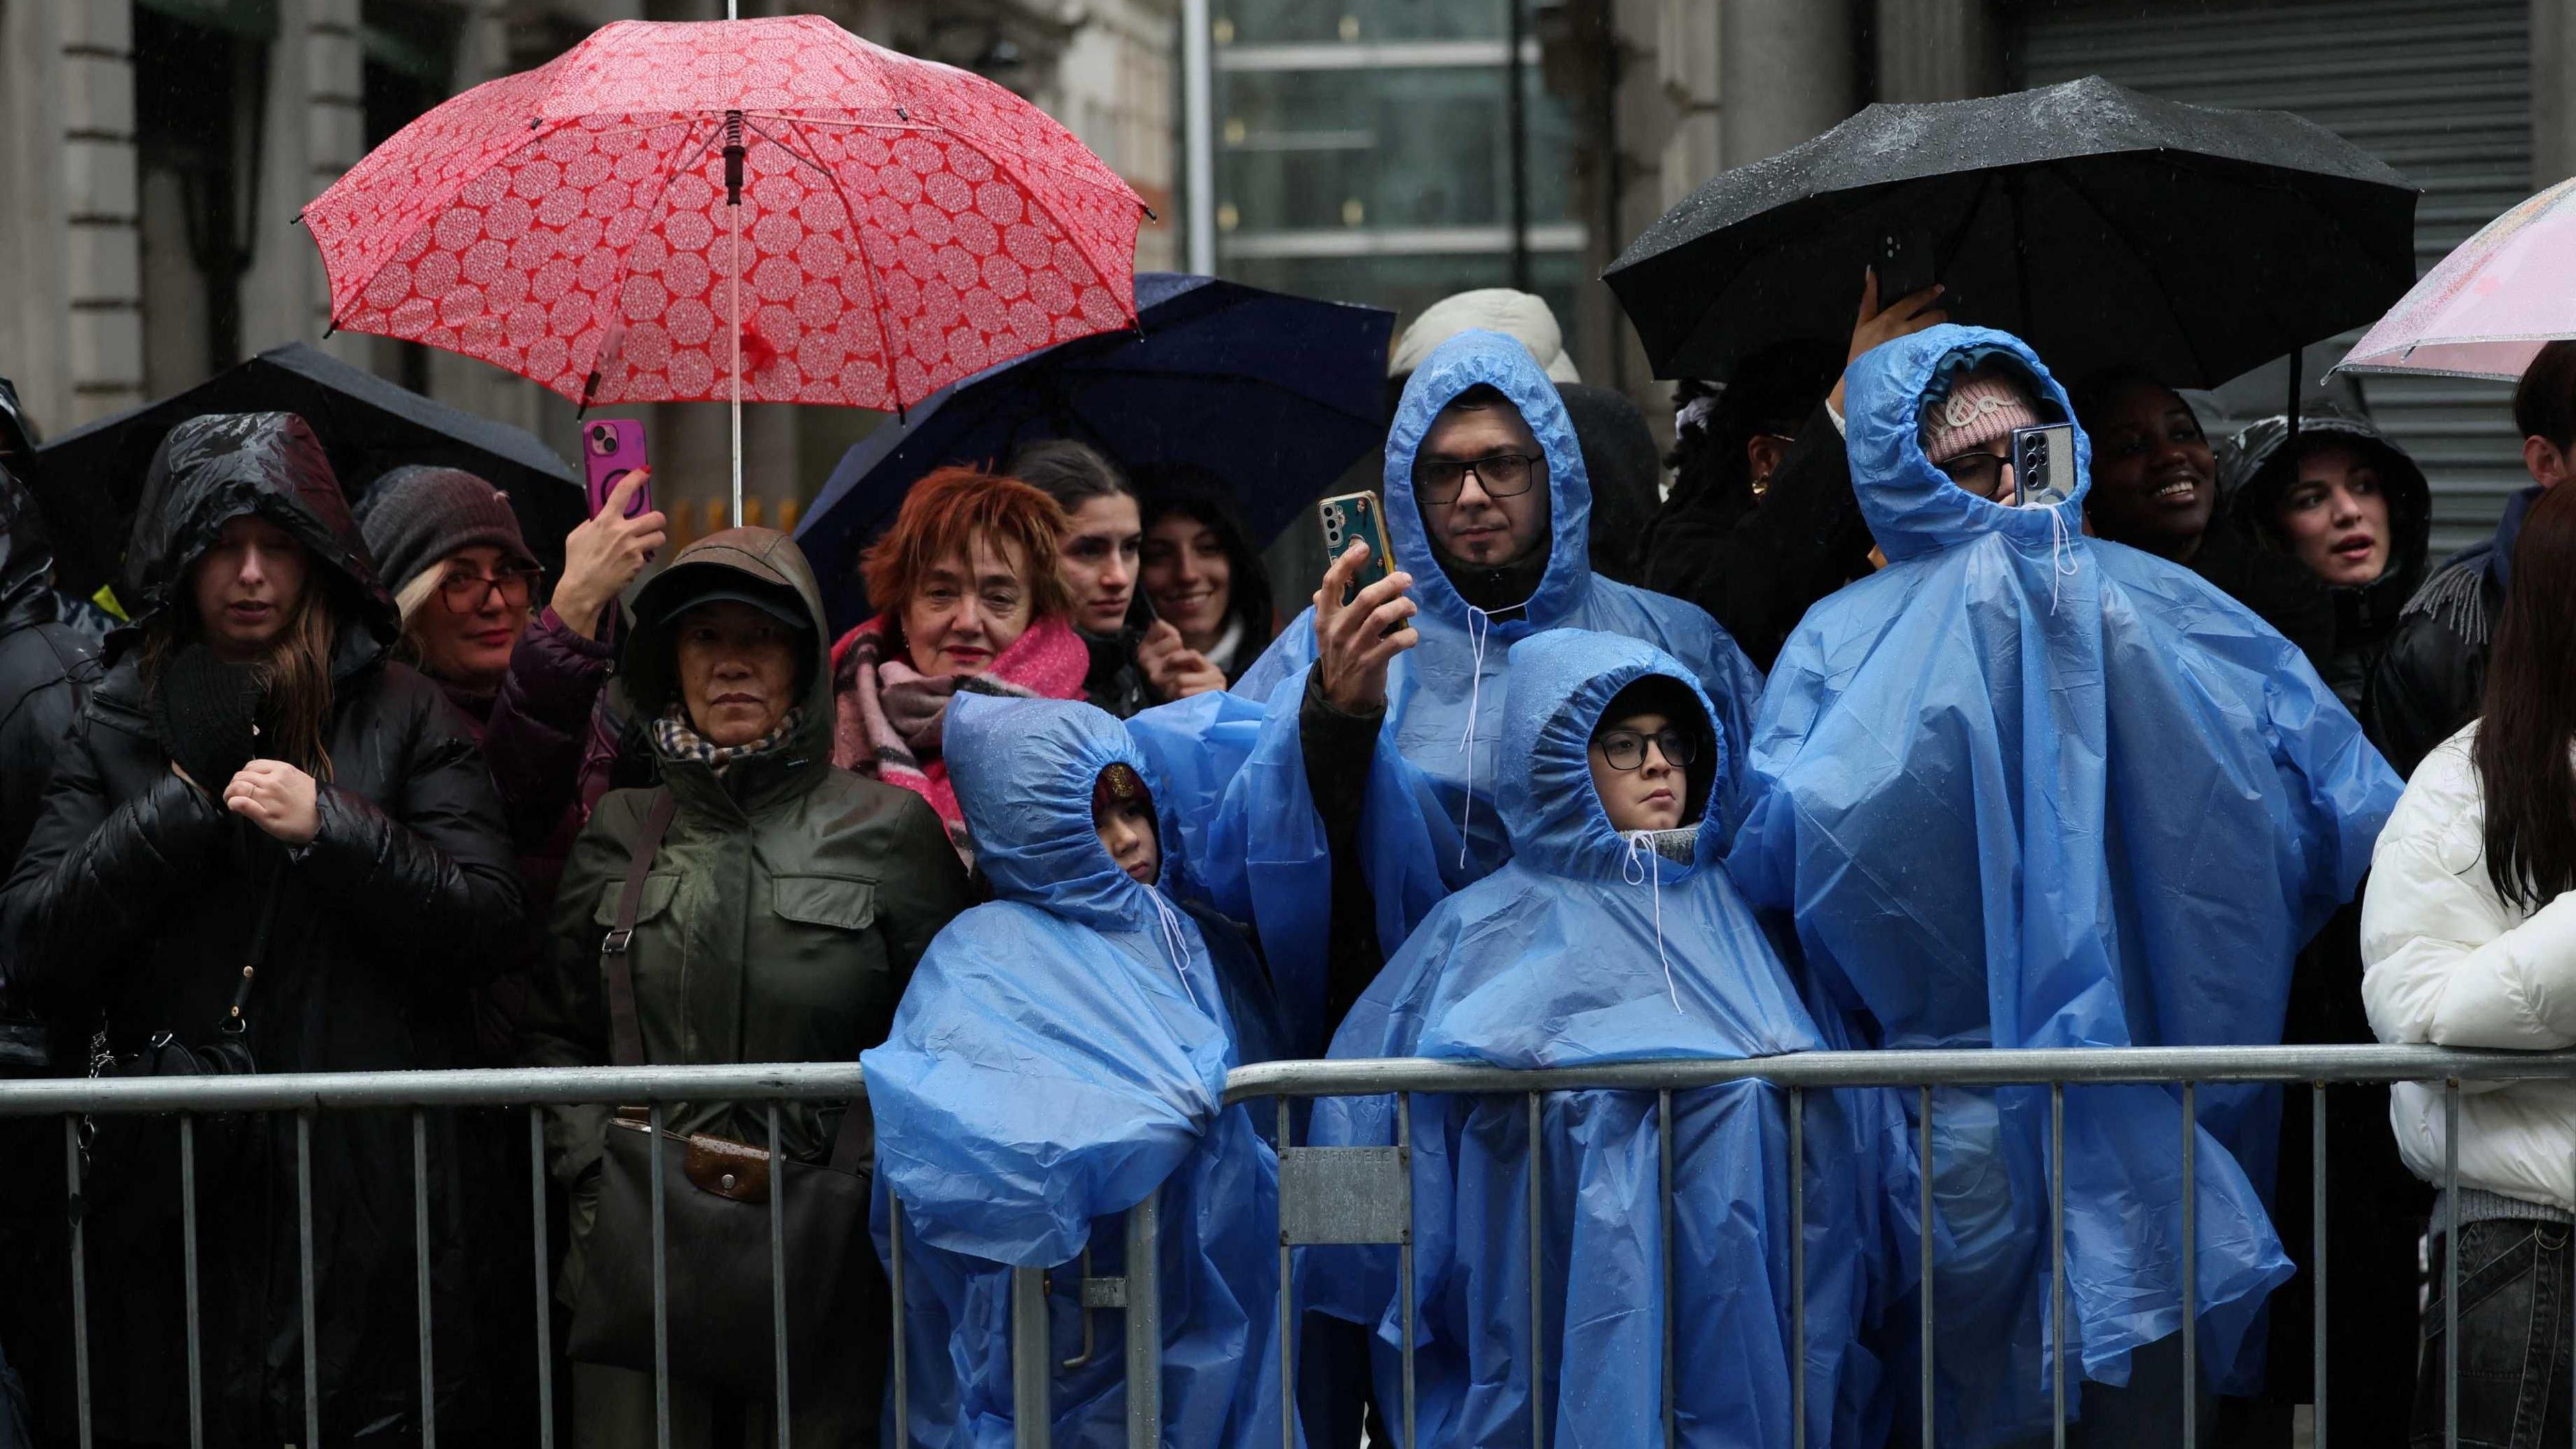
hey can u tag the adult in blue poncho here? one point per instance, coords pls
(2026, 789)
(1060, 1056)
(1592, 946)
(1404, 758)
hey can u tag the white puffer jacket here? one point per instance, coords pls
(2451, 962)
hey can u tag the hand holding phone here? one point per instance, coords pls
(1359, 626)
(2043, 460)
(611, 448)
(1357, 518)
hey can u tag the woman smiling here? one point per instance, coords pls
(968, 598)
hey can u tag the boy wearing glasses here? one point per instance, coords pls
(1613, 935)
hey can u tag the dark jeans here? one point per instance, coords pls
(2515, 1283)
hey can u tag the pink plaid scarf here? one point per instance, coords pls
(890, 716)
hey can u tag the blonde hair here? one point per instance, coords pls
(411, 597)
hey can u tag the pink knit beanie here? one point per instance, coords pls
(1983, 406)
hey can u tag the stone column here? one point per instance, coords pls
(89, 98)
(1785, 74)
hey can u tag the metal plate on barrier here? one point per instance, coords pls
(1342, 1195)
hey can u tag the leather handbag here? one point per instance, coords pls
(716, 1202)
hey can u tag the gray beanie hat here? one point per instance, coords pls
(413, 517)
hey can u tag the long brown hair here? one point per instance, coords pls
(2528, 727)
(294, 678)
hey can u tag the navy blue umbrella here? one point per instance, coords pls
(1275, 394)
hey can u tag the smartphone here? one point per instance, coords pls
(1904, 265)
(611, 448)
(1357, 518)
(2043, 460)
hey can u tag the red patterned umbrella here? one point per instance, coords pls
(879, 226)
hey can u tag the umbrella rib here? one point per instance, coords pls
(624, 267)
(2190, 343)
(867, 267)
(359, 285)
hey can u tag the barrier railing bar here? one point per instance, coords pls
(420, 1261)
(304, 1278)
(1404, 1160)
(894, 1288)
(2190, 1267)
(1144, 1275)
(1538, 1279)
(661, 1285)
(1797, 1267)
(1287, 1312)
(76, 1207)
(1664, 1237)
(2056, 1261)
(1031, 1356)
(778, 1272)
(188, 1254)
(2451, 1264)
(2317, 1254)
(1925, 1129)
(1909, 1068)
(545, 1289)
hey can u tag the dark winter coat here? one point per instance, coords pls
(136, 896)
(784, 912)
(1757, 568)
(2432, 678)
(46, 668)
(2264, 466)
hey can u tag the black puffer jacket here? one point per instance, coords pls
(2261, 468)
(46, 668)
(136, 896)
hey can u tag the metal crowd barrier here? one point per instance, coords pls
(1326, 1195)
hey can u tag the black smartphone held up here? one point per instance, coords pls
(2043, 460)
(1904, 265)
(1356, 518)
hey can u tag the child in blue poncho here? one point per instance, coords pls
(1059, 1057)
(1612, 935)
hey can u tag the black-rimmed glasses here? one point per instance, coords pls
(1503, 475)
(1626, 749)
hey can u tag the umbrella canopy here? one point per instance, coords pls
(1275, 394)
(2102, 225)
(2489, 307)
(91, 478)
(870, 226)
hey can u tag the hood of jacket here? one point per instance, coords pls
(1024, 771)
(759, 561)
(1913, 508)
(1561, 682)
(26, 556)
(2265, 463)
(213, 469)
(1469, 360)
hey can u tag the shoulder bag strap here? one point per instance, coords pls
(625, 1033)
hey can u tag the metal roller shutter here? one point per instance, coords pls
(2440, 91)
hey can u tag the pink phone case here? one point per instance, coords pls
(610, 449)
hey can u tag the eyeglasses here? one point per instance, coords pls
(1626, 749)
(1504, 475)
(465, 593)
(1980, 473)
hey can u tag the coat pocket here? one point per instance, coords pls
(840, 902)
(656, 899)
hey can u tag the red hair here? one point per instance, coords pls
(944, 514)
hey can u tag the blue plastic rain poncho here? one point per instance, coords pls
(1250, 834)
(2026, 789)
(1589, 948)
(1061, 1054)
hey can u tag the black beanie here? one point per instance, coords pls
(413, 517)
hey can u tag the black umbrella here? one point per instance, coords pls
(91, 478)
(2101, 225)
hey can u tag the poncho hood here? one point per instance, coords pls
(1490, 359)
(1561, 682)
(1024, 771)
(1913, 508)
